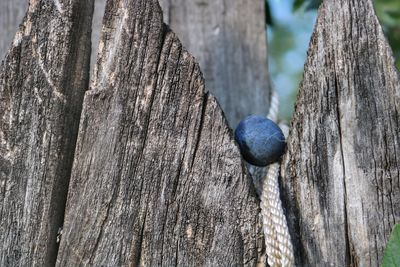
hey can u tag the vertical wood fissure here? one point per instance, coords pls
(42, 82)
(348, 258)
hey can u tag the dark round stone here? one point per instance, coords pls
(260, 140)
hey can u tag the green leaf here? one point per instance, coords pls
(310, 4)
(314, 4)
(388, 12)
(391, 257)
(297, 4)
(395, 14)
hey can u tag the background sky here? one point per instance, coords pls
(288, 40)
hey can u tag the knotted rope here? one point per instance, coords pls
(278, 244)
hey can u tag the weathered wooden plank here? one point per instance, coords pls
(229, 41)
(342, 167)
(157, 177)
(42, 83)
(241, 84)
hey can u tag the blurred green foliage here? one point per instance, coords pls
(391, 257)
(281, 44)
(309, 4)
(288, 37)
(388, 12)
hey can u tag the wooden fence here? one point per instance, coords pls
(139, 167)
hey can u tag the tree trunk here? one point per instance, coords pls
(157, 177)
(341, 171)
(42, 83)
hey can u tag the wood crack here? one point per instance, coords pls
(203, 114)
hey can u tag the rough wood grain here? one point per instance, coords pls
(341, 171)
(229, 40)
(11, 15)
(157, 178)
(42, 82)
(13, 11)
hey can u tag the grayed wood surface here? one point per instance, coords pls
(11, 15)
(342, 181)
(157, 178)
(13, 11)
(229, 40)
(42, 82)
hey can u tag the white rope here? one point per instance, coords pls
(274, 107)
(278, 244)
